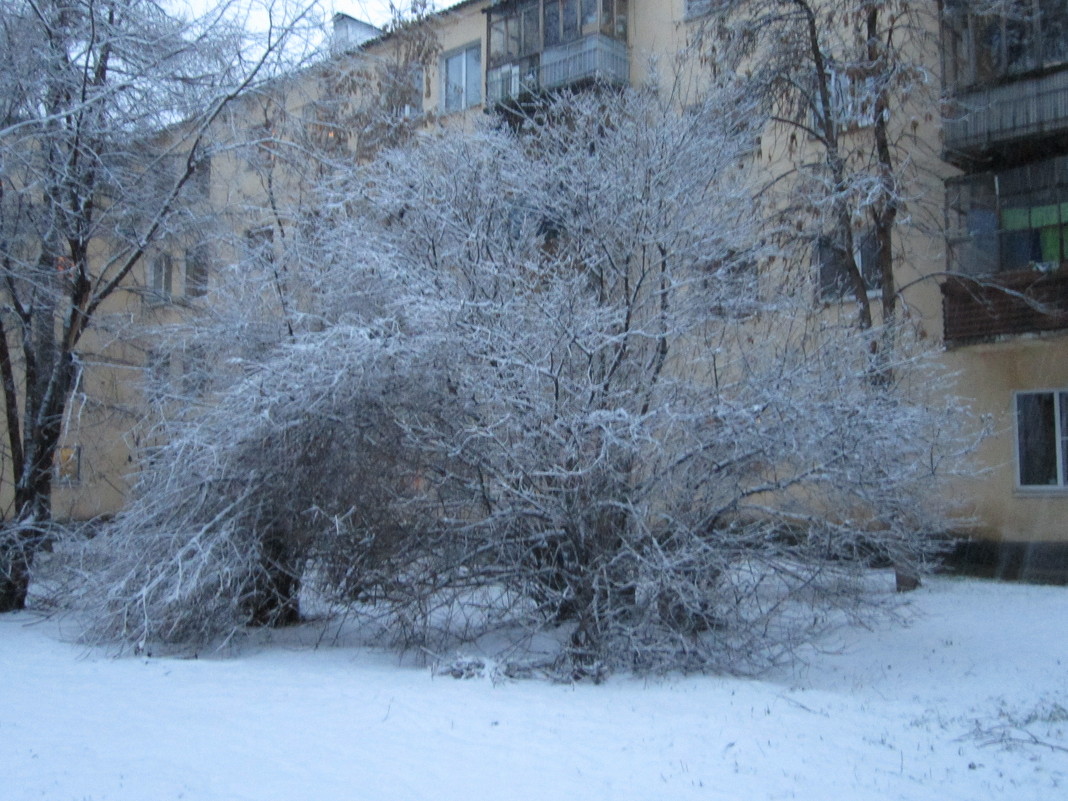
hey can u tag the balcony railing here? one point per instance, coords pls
(595, 58)
(1022, 302)
(1000, 115)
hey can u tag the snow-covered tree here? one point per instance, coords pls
(104, 110)
(542, 383)
(853, 93)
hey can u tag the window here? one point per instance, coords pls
(1009, 220)
(830, 261)
(196, 271)
(265, 143)
(200, 180)
(552, 23)
(462, 73)
(589, 12)
(569, 17)
(162, 275)
(1042, 438)
(515, 32)
(562, 21)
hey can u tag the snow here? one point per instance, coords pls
(968, 700)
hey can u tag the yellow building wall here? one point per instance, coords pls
(985, 376)
(988, 376)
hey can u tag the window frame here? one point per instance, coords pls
(461, 53)
(1060, 445)
(161, 279)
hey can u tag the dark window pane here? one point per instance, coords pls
(832, 262)
(498, 38)
(1063, 409)
(1019, 249)
(589, 12)
(982, 256)
(1036, 439)
(1054, 30)
(569, 12)
(196, 271)
(514, 43)
(552, 23)
(531, 29)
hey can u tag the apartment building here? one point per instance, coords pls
(1005, 300)
(992, 292)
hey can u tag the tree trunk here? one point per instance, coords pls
(274, 600)
(14, 569)
(33, 487)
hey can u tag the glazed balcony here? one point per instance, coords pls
(1007, 79)
(537, 46)
(1008, 252)
(591, 59)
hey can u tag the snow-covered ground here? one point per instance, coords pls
(968, 701)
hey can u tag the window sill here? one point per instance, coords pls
(1040, 492)
(454, 112)
(847, 298)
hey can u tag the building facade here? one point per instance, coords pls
(991, 288)
(1005, 298)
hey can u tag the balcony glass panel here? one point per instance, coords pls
(986, 48)
(1011, 220)
(589, 12)
(531, 33)
(569, 17)
(498, 37)
(552, 23)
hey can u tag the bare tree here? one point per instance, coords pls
(546, 388)
(107, 105)
(848, 85)
(286, 141)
